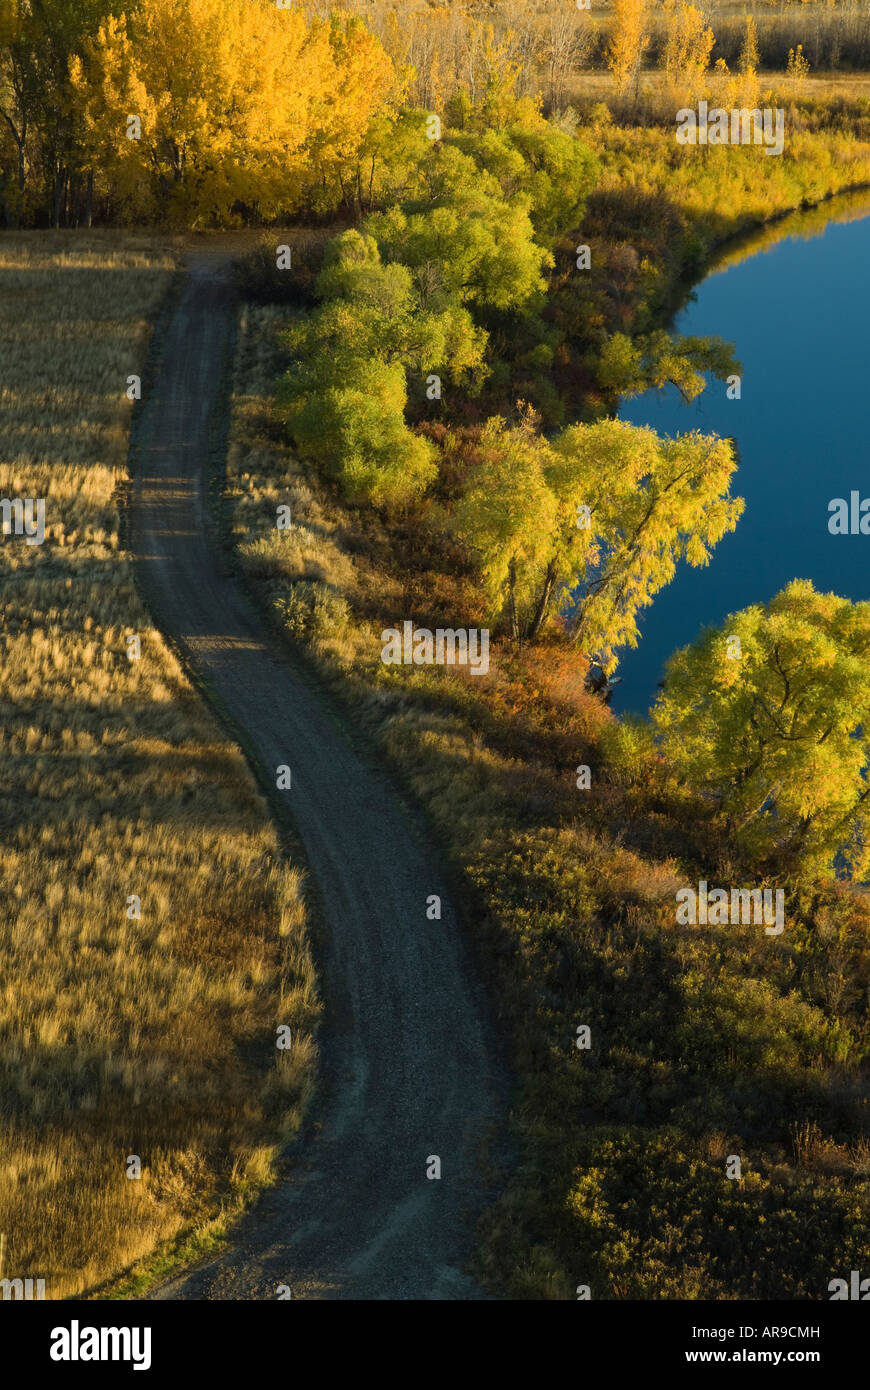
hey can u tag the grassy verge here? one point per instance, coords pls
(150, 1036)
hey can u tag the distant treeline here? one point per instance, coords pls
(208, 112)
(833, 36)
(195, 112)
(551, 41)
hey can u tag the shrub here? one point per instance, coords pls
(312, 612)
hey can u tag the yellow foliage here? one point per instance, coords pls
(629, 40)
(798, 67)
(688, 44)
(192, 107)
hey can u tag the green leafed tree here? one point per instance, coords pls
(595, 521)
(351, 423)
(462, 233)
(626, 366)
(547, 166)
(653, 502)
(368, 308)
(769, 714)
(383, 170)
(508, 516)
(345, 395)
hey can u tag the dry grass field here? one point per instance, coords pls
(151, 1036)
(585, 89)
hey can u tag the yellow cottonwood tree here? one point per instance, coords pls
(743, 88)
(193, 107)
(602, 514)
(750, 58)
(355, 82)
(629, 40)
(688, 44)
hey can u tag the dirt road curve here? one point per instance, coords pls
(409, 1065)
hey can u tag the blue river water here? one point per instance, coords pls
(795, 303)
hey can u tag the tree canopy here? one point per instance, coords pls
(237, 102)
(351, 355)
(480, 243)
(627, 366)
(601, 516)
(769, 714)
(40, 124)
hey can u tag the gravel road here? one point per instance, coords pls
(409, 1062)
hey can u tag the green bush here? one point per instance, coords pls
(313, 612)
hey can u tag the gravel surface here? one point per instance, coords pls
(410, 1065)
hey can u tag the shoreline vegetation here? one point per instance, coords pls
(428, 384)
(571, 908)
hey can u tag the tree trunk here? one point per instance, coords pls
(512, 601)
(74, 200)
(59, 196)
(543, 602)
(22, 178)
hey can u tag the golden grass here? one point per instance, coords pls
(595, 85)
(156, 1036)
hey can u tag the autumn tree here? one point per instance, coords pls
(566, 43)
(689, 42)
(743, 88)
(42, 172)
(629, 40)
(18, 105)
(750, 59)
(191, 108)
(488, 69)
(355, 81)
(383, 170)
(596, 520)
(627, 366)
(769, 714)
(797, 68)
